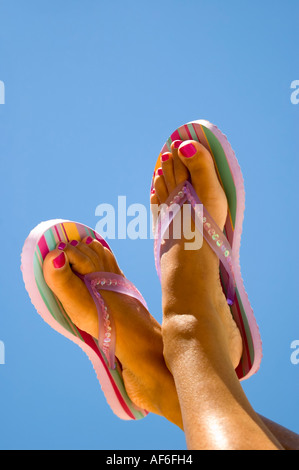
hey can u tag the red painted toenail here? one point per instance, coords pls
(74, 243)
(88, 240)
(188, 150)
(153, 191)
(164, 157)
(159, 172)
(59, 261)
(61, 246)
(176, 144)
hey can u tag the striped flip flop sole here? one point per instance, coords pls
(231, 178)
(43, 239)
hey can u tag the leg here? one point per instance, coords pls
(202, 345)
(216, 413)
(288, 439)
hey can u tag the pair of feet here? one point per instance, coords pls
(188, 279)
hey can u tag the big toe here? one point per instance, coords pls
(200, 164)
(69, 288)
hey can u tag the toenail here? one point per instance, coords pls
(188, 150)
(159, 172)
(59, 261)
(74, 243)
(153, 191)
(176, 144)
(164, 157)
(61, 246)
(88, 240)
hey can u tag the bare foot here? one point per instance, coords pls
(190, 278)
(139, 347)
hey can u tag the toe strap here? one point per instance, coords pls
(97, 282)
(205, 224)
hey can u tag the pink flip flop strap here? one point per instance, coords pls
(204, 223)
(95, 282)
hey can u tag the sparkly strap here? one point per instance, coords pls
(205, 224)
(95, 282)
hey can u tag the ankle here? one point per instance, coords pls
(186, 332)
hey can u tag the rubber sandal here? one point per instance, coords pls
(225, 244)
(43, 239)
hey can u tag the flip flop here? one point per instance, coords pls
(225, 244)
(43, 239)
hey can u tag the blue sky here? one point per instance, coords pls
(92, 91)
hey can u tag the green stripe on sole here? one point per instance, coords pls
(224, 171)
